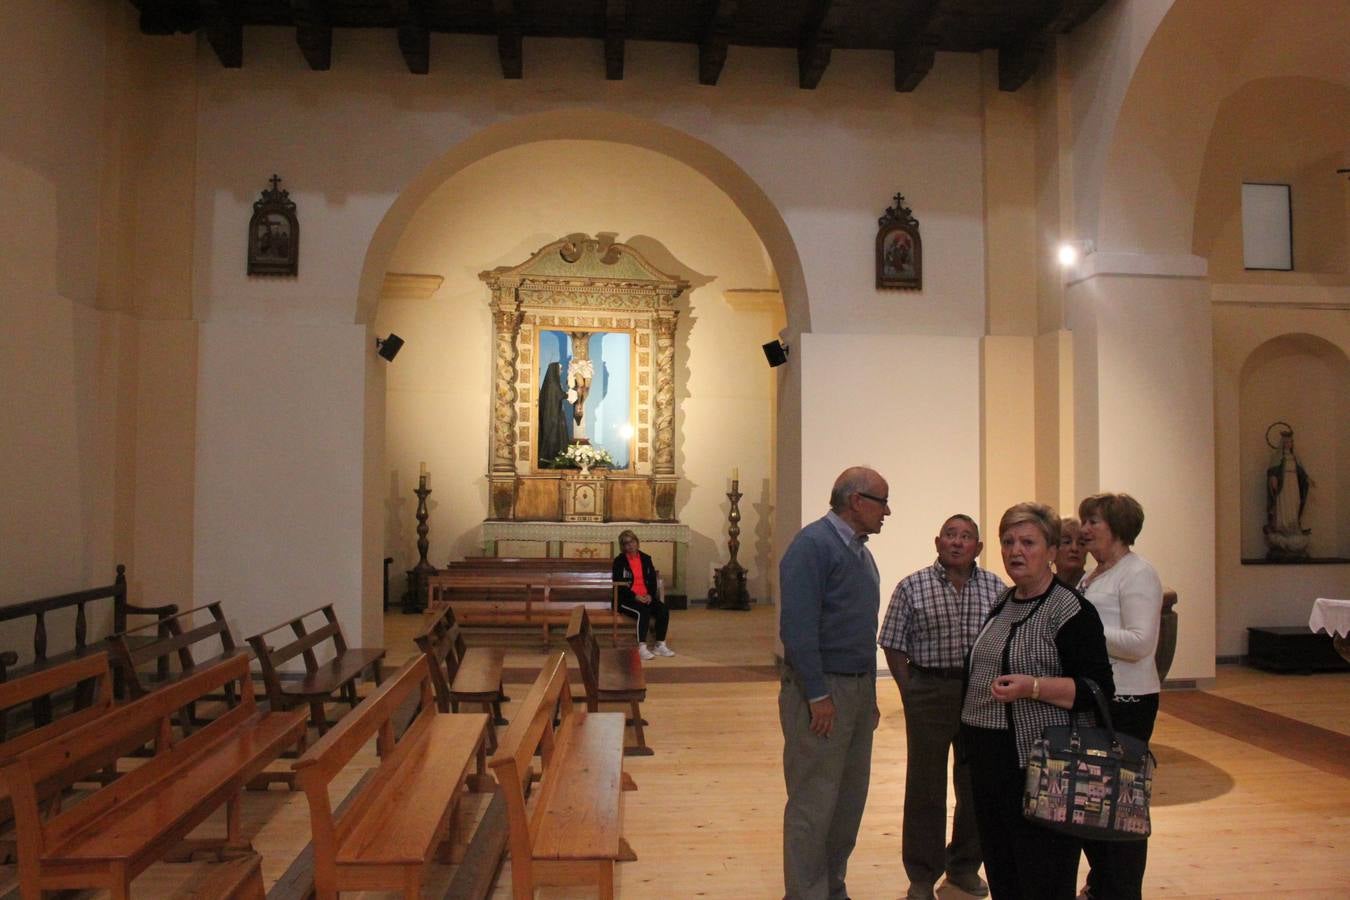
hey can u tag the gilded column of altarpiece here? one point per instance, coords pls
(581, 286)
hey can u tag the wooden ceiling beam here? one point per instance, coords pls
(716, 37)
(916, 45)
(224, 31)
(510, 40)
(616, 32)
(313, 33)
(813, 53)
(1073, 13)
(414, 38)
(1018, 62)
(161, 17)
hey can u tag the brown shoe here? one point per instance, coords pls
(920, 892)
(971, 883)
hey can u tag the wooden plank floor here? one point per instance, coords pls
(1253, 799)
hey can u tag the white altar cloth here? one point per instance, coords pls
(1331, 616)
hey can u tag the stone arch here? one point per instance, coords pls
(589, 124)
(601, 127)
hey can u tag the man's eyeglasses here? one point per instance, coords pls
(884, 501)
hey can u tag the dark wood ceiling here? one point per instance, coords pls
(1020, 30)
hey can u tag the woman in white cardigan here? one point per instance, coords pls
(1127, 594)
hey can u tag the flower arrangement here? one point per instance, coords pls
(582, 456)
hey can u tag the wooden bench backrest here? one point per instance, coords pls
(325, 758)
(532, 730)
(443, 644)
(49, 681)
(171, 640)
(272, 658)
(510, 587)
(587, 651)
(525, 563)
(117, 592)
(95, 740)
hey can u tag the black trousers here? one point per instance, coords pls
(648, 615)
(1022, 861)
(1117, 867)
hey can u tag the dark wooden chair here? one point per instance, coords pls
(610, 675)
(167, 640)
(338, 674)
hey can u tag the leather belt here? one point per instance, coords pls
(940, 671)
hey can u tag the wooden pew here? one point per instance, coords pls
(114, 834)
(77, 600)
(499, 597)
(87, 675)
(610, 675)
(321, 681)
(574, 833)
(461, 674)
(404, 815)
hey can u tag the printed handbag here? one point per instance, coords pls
(1091, 783)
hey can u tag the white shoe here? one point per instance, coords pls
(645, 653)
(662, 650)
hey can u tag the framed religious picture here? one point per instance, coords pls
(274, 233)
(899, 249)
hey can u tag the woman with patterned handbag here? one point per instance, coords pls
(1025, 672)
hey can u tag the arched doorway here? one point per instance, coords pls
(501, 195)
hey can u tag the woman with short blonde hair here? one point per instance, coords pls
(1026, 671)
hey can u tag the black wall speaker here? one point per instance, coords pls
(776, 352)
(388, 347)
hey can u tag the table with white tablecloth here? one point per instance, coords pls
(1333, 617)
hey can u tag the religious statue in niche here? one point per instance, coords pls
(1287, 487)
(899, 249)
(552, 416)
(274, 233)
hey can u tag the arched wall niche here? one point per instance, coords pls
(500, 209)
(1303, 380)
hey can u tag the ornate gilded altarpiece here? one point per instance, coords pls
(581, 287)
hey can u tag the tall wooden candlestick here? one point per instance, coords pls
(730, 580)
(414, 597)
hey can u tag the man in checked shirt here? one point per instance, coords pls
(932, 620)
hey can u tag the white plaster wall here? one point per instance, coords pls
(348, 140)
(897, 404)
(61, 360)
(1143, 349)
(280, 433)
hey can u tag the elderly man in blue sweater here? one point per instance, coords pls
(831, 594)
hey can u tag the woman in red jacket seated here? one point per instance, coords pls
(637, 595)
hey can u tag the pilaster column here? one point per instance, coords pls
(664, 479)
(505, 325)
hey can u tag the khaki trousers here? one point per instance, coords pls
(827, 781)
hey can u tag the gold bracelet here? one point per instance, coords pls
(1035, 689)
